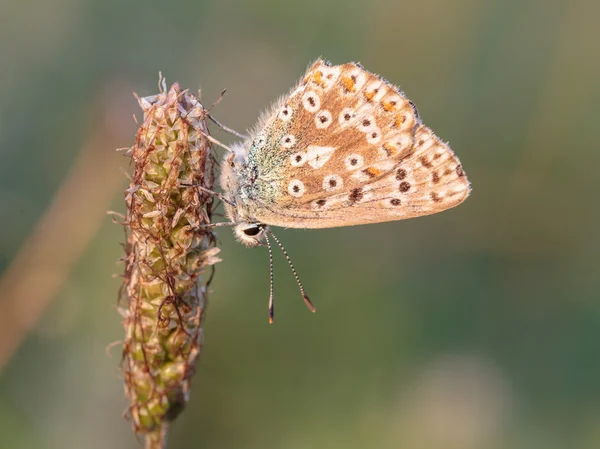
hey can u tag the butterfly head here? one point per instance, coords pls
(251, 234)
(231, 168)
(240, 183)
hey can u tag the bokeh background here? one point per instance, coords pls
(475, 328)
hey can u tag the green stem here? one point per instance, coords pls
(158, 438)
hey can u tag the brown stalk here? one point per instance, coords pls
(163, 300)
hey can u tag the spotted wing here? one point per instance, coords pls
(349, 148)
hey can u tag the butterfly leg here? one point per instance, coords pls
(215, 141)
(212, 192)
(207, 136)
(217, 225)
(226, 128)
(216, 122)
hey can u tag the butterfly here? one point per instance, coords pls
(345, 147)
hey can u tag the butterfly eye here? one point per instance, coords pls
(253, 230)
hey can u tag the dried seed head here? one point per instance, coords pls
(162, 299)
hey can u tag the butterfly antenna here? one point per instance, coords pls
(271, 305)
(307, 301)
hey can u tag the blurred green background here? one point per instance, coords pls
(475, 328)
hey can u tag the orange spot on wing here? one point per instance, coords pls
(349, 83)
(389, 105)
(370, 95)
(400, 119)
(319, 78)
(372, 172)
(390, 149)
(316, 77)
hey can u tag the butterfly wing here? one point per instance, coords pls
(348, 148)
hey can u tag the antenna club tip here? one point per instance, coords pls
(309, 304)
(271, 320)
